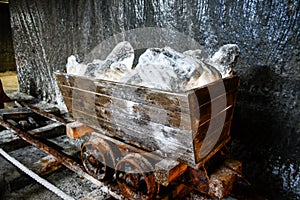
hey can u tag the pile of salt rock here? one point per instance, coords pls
(160, 68)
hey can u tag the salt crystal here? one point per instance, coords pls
(96, 65)
(73, 67)
(225, 59)
(161, 68)
(117, 63)
(170, 70)
(199, 54)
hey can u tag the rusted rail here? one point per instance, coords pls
(48, 131)
(149, 176)
(44, 113)
(59, 155)
(68, 162)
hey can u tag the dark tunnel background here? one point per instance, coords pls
(266, 128)
(7, 62)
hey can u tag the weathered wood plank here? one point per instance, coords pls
(196, 179)
(46, 165)
(129, 128)
(200, 96)
(16, 113)
(194, 119)
(138, 137)
(23, 112)
(164, 102)
(181, 150)
(146, 130)
(119, 114)
(117, 107)
(204, 112)
(137, 118)
(222, 181)
(48, 131)
(139, 94)
(84, 83)
(200, 131)
(214, 123)
(77, 130)
(203, 147)
(43, 167)
(134, 137)
(168, 170)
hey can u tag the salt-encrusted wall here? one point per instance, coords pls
(266, 128)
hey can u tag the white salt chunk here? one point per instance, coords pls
(73, 67)
(117, 63)
(170, 70)
(96, 65)
(225, 59)
(199, 54)
(160, 68)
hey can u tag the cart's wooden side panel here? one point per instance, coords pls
(152, 120)
(211, 121)
(109, 107)
(185, 126)
(171, 142)
(146, 96)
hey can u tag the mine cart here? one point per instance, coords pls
(153, 143)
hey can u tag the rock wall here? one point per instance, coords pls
(266, 128)
(7, 61)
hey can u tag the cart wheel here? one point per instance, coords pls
(135, 177)
(98, 158)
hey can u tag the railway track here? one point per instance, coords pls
(34, 141)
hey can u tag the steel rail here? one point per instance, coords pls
(43, 113)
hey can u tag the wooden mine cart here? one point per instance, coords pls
(148, 139)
